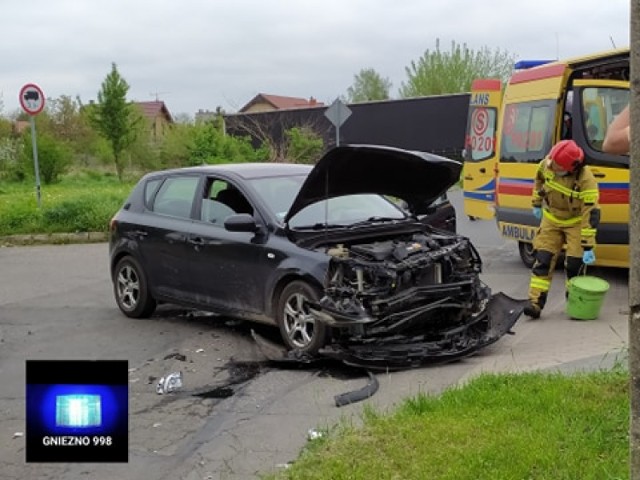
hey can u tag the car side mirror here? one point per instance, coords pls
(242, 222)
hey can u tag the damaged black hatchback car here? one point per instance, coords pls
(325, 253)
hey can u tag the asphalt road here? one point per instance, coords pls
(236, 415)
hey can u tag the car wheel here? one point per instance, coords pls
(298, 328)
(526, 253)
(131, 289)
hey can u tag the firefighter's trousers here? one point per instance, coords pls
(547, 245)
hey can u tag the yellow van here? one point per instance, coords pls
(540, 105)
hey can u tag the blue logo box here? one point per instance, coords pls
(77, 411)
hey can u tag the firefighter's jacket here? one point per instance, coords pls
(569, 200)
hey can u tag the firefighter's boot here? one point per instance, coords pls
(532, 310)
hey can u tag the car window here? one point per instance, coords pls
(150, 189)
(346, 210)
(278, 193)
(222, 199)
(175, 197)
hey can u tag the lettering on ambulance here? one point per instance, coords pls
(481, 99)
(518, 233)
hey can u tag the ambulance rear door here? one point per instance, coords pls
(481, 149)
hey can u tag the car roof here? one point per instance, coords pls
(244, 170)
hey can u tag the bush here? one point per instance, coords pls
(303, 145)
(54, 157)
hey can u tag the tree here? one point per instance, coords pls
(439, 72)
(274, 133)
(368, 85)
(114, 118)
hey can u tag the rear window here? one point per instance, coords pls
(526, 133)
(175, 196)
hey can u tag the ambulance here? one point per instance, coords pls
(511, 129)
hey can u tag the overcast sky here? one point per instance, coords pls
(200, 54)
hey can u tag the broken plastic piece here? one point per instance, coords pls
(358, 395)
(170, 383)
(177, 356)
(277, 353)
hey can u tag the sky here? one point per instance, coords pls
(201, 54)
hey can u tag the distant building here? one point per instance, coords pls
(205, 115)
(434, 124)
(266, 103)
(158, 116)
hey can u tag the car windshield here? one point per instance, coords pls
(278, 194)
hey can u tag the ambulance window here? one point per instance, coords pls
(481, 134)
(526, 134)
(599, 106)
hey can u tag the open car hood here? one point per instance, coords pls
(418, 178)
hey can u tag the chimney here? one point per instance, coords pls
(312, 101)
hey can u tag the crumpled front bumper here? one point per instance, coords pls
(396, 352)
(400, 352)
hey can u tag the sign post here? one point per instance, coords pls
(337, 113)
(32, 102)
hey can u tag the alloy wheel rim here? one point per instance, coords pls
(128, 287)
(298, 321)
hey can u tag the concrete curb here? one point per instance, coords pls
(53, 238)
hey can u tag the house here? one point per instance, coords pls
(266, 103)
(158, 116)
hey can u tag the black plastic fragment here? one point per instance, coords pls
(358, 395)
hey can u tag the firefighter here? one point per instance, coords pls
(565, 200)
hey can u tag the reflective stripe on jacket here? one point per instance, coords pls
(568, 200)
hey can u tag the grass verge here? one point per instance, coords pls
(525, 426)
(83, 202)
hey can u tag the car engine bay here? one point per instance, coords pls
(409, 300)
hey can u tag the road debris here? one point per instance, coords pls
(177, 356)
(358, 395)
(314, 434)
(170, 383)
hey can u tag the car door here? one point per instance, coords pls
(228, 268)
(163, 248)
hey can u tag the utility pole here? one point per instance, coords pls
(634, 246)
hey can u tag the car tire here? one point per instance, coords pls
(299, 330)
(131, 289)
(526, 253)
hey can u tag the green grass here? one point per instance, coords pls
(81, 202)
(527, 426)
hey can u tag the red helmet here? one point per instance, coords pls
(567, 155)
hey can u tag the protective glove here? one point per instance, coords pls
(588, 257)
(537, 212)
